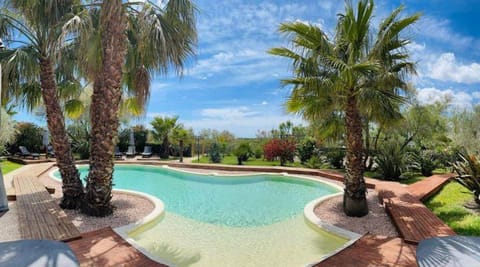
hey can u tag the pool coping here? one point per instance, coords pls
(123, 231)
(159, 209)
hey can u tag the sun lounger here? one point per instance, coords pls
(25, 153)
(130, 152)
(118, 154)
(147, 152)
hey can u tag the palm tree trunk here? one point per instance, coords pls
(354, 200)
(104, 110)
(181, 150)
(71, 184)
(165, 148)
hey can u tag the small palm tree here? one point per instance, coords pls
(32, 70)
(334, 76)
(163, 127)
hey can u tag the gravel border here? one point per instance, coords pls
(129, 209)
(377, 222)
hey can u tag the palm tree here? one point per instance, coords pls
(32, 69)
(179, 135)
(336, 76)
(163, 127)
(134, 39)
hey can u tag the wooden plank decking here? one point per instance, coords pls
(426, 188)
(412, 219)
(373, 250)
(105, 248)
(38, 213)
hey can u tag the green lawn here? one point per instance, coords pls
(8, 166)
(448, 206)
(232, 160)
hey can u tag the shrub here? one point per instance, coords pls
(424, 161)
(283, 149)
(468, 173)
(258, 153)
(28, 135)
(335, 157)
(306, 149)
(79, 134)
(215, 155)
(242, 152)
(314, 162)
(390, 161)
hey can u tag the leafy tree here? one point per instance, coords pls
(242, 152)
(35, 75)
(465, 130)
(335, 76)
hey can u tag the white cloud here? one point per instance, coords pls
(447, 68)
(440, 30)
(264, 103)
(458, 99)
(228, 113)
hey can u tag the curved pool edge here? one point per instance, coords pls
(123, 231)
(309, 213)
(159, 210)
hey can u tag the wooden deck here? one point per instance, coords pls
(426, 188)
(106, 248)
(412, 219)
(373, 250)
(39, 215)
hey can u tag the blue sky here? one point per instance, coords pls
(234, 85)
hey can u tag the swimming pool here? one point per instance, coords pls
(229, 220)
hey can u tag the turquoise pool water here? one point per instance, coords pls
(212, 219)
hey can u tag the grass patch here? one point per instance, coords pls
(232, 160)
(448, 206)
(8, 166)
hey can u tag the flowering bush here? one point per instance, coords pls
(284, 149)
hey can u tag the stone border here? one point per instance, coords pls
(309, 214)
(159, 210)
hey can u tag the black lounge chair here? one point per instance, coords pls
(147, 152)
(130, 152)
(25, 153)
(118, 154)
(50, 151)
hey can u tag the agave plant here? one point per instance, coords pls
(468, 173)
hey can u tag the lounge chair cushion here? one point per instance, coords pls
(37, 253)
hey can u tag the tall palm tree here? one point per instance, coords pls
(338, 75)
(134, 39)
(32, 69)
